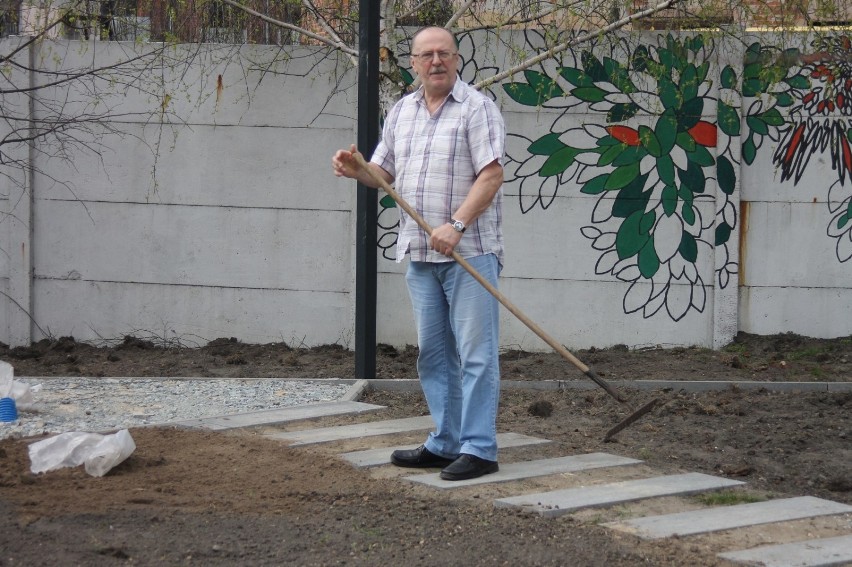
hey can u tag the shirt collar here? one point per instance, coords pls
(458, 92)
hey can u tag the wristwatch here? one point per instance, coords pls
(458, 225)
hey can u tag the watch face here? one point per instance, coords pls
(458, 226)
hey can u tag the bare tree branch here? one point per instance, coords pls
(328, 29)
(330, 42)
(573, 42)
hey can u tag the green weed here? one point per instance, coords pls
(728, 498)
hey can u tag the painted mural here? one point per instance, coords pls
(655, 132)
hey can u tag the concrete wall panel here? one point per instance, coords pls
(231, 166)
(195, 314)
(182, 245)
(808, 311)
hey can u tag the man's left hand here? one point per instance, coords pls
(445, 239)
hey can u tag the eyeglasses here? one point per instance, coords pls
(429, 56)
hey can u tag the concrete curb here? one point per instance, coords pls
(409, 386)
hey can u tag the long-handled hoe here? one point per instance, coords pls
(635, 415)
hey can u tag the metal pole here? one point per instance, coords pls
(367, 199)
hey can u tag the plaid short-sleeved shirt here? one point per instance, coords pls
(435, 161)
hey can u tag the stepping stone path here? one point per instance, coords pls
(810, 553)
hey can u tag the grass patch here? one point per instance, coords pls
(804, 353)
(728, 498)
(736, 348)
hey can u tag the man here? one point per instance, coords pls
(443, 144)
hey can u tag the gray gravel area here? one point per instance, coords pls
(108, 404)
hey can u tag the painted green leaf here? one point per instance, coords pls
(387, 202)
(559, 162)
(688, 247)
(657, 70)
(841, 222)
(576, 77)
(407, 78)
(701, 156)
(723, 234)
(610, 154)
(687, 213)
(753, 87)
(752, 52)
(594, 68)
(690, 113)
(546, 145)
(622, 176)
(773, 74)
(726, 175)
(757, 125)
(639, 59)
(798, 82)
(666, 57)
(589, 94)
(752, 70)
(729, 119)
(693, 178)
(772, 117)
(522, 93)
(669, 94)
(607, 141)
(665, 169)
(669, 200)
(703, 69)
(784, 99)
(596, 185)
(849, 209)
(648, 260)
(666, 131)
(649, 141)
(631, 154)
(849, 134)
(628, 239)
(648, 220)
(729, 77)
(685, 194)
(631, 198)
(689, 82)
(749, 150)
(618, 75)
(622, 111)
(546, 87)
(685, 141)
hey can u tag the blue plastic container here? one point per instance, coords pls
(8, 410)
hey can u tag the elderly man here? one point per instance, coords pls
(443, 145)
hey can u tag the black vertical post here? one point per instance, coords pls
(367, 200)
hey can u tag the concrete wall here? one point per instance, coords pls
(226, 221)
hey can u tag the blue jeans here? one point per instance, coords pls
(458, 335)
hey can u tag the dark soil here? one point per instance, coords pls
(197, 497)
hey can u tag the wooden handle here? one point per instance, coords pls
(485, 283)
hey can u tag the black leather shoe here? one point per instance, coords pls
(469, 466)
(419, 458)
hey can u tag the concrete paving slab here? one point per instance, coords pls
(558, 502)
(811, 553)
(729, 517)
(376, 457)
(354, 431)
(280, 415)
(530, 469)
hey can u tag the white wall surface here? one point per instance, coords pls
(226, 221)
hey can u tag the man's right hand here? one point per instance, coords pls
(343, 163)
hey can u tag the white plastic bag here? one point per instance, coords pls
(21, 392)
(6, 374)
(99, 453)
